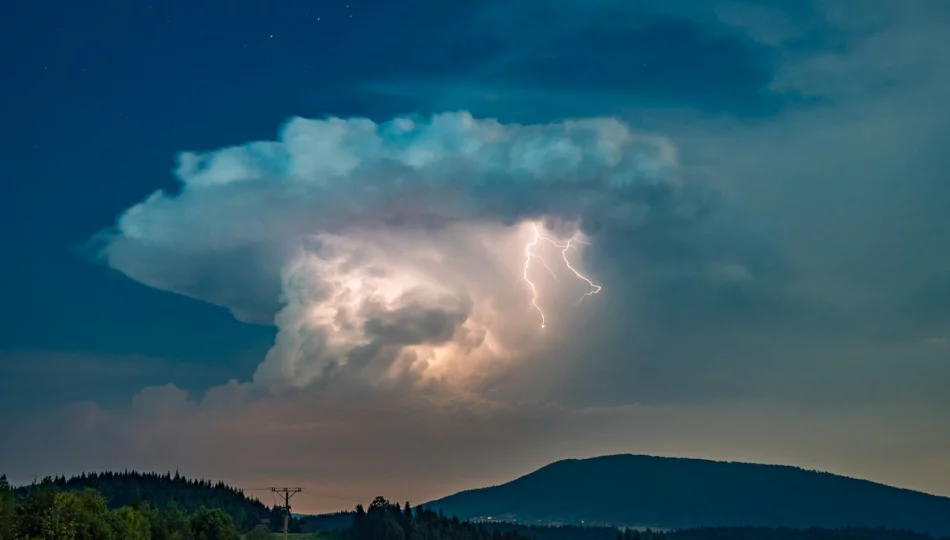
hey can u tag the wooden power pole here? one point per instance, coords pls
(287, 492)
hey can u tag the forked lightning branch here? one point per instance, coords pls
(564, 247)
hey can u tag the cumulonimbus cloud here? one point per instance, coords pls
(385, 248)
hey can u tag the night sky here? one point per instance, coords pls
(285, 242)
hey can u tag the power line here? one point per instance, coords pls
(332, 495)
(315, 493)
(287, 492)
(339, 494)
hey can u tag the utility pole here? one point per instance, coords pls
(287, 492)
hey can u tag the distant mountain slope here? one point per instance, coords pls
(660, 492)
(326, 522)
(160, 490)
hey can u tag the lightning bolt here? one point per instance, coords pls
(527, 265)
(529, 255)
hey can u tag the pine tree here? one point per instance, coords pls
(6, 508)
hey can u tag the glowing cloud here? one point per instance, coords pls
(388, 251)
(564, 247)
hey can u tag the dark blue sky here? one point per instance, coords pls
(777, 292)
(103, 96)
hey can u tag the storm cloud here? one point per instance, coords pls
(387, 236)
(776, 286)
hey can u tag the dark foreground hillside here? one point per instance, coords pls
(670, 493)
(130, 488)
(569, 532)
(49, 512)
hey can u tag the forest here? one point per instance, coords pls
(131, 488)
(137, 506)
(50, 513)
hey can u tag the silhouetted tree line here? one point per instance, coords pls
(577, 532)
(340, 523)
(387, 521)
(326, 522)
(165, 507)
(130, 488)
(48, 512)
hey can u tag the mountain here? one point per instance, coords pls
(647, 491)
